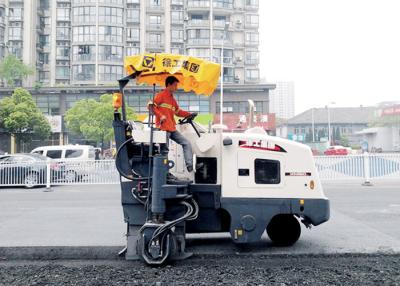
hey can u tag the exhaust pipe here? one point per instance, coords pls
(251, 113)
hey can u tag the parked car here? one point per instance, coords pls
(77, 160)
(28, 170)
(336, 150)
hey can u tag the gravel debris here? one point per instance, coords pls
(343, 269)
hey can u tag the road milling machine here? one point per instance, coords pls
(248, 183)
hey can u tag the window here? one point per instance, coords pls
(252, 3)
(15, 14)
(267, 171)
(130, 51)
(110, 34)
(63, 14)
(110, 73)
(177, 35)
(200, 53)
(132, 34)
(252, 74)
(54, 154)
(110, 15)
(223, 3)
(84, 34)
(252, 20)
(83, 72)
(251, 58)
(155, 19)
(15, 33)
(84, 14)
(177, 17)
(199, 36)
(73, 153)
(63, 33)
(113, 53)
(62, 52)
(62, 72)
(252, 38)
(132, 15)
(154, 38)
(83, 52)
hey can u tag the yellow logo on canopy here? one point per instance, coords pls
(148, 62)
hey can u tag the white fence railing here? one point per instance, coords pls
(364, 166)
(41, 173)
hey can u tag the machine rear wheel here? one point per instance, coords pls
(284, 230)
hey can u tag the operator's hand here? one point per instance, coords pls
(162, 119)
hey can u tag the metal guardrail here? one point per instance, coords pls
(364, 166)
(349, 167)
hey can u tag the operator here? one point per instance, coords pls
(165, 108)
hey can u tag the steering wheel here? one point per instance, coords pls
(187, 119)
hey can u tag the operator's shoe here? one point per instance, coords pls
(171, 178)
(198, 166)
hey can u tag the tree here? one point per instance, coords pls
(20, 116)
(13, 69)
(309, 137)
(93, 119)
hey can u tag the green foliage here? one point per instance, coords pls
(12, 69)
(344, 141)
(19, 115)
(93, 119)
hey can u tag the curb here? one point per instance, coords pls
(110, 253)
(60, 253)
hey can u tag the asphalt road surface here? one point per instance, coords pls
(360, 245)
(363, 220)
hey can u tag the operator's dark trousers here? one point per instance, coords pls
(181, 140)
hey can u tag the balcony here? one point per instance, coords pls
(251, 44)
(177, 2)
(227, 42)
(155, 8)
(154, 27)
(220, 24)
(198, 23)
(84, 57)
(251, 25)
(155, 45)
(198, 5)
(199, 42)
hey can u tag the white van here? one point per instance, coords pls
(77, 160)
(67, 152)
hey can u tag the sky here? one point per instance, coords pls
(341, 51)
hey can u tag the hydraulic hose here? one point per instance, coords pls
(122, 173)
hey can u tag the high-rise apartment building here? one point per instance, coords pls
(83, 42)
(281, 101)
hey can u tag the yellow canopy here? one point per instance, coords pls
(194, 74)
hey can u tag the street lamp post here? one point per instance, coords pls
(312, 123)
(221, 114)
(329, 123)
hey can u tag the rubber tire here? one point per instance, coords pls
(33, 176)
(284, 230)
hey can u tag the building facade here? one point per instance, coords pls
(77, 48)
(83, 42)
(344, 123)
(282, 100)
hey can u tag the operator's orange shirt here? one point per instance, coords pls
(165, 104)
